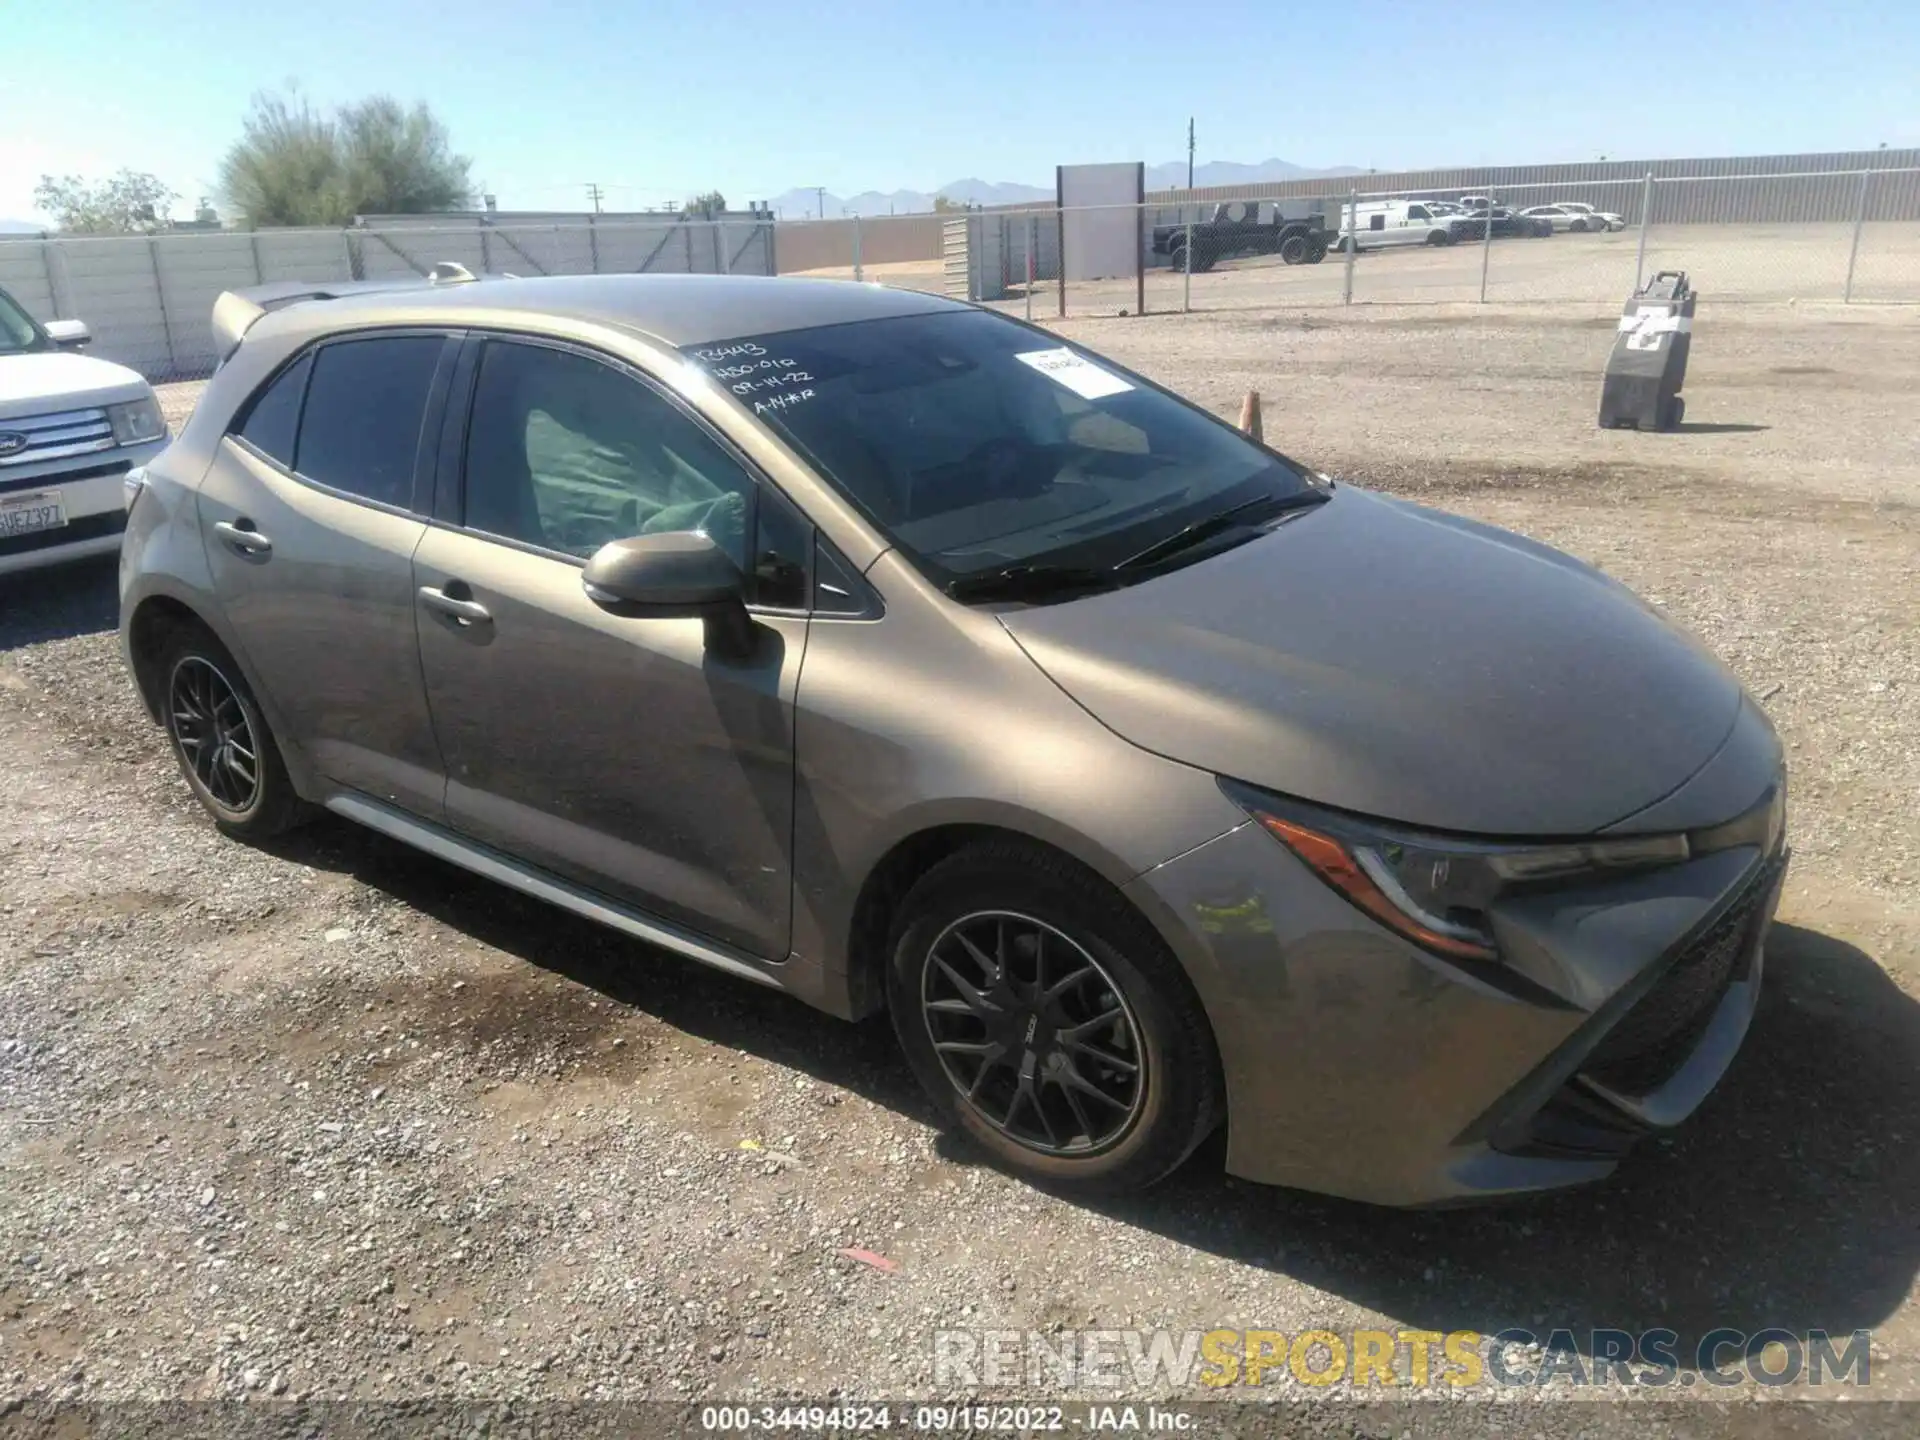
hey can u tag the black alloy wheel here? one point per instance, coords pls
(222, 741)
(1033, 1034)
(215, 736)
(1048, 1021)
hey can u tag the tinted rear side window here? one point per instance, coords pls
(360, 428)
(275, 414)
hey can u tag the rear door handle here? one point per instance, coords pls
(240, 535)
(463, 612)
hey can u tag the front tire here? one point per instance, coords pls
(1294, 250)
(221, 741)
(1048, 1021)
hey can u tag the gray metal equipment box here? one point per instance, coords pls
(1649, 361)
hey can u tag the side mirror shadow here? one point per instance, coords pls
(673, 573)
(69, 334)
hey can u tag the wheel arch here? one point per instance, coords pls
(151, 623)
(921, 847)
(154, 621)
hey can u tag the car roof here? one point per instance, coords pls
(679, 310)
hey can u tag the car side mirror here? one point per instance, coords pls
(673, 573)
(69, 334)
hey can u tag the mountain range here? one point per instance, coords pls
(803, 204)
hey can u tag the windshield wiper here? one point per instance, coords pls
(1028, 582)
(1243, 516)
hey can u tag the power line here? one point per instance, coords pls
(594, 193)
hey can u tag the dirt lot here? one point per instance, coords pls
(334, 1119)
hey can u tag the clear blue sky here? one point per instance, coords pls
(659, 99)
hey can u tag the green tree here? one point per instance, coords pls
(943, 206)
(294, 165)
(132, 202)
(400, 161)
(707, 206)
(285, 168)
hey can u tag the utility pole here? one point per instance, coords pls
(1189, 152)
(594, 194)
(820, 193)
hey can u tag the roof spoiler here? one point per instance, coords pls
(238, 311)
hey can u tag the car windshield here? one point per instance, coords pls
(977, 444)
(17, 330)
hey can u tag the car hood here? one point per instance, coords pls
(50, 380)
(1382, 658)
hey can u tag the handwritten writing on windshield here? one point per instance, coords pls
(775, 403)
(771, 382)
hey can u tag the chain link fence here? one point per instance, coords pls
(1833, 236)
(1846, 236)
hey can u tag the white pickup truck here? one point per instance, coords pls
(71, 427)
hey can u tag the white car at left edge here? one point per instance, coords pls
(72, 429)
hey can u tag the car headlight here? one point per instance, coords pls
(137, 421)
(1434, 891)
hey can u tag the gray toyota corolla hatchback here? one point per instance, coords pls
(892, 653)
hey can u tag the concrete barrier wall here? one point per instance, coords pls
(149, 298)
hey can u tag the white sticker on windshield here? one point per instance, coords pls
(1076, 372)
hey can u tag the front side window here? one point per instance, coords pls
(567, 453)
(17, 331)
(976, 444)
(365, 403)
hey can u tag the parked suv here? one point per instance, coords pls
(71, 427)
(892, 653)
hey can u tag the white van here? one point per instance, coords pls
(1397, 222)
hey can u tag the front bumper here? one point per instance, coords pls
(93, 496)
(1360, 1065)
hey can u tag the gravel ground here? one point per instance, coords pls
(336, 1120)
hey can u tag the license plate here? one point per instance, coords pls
(24, 514)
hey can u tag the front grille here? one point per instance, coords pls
(1574, 1125)
(33, 439)
(1654, 1038)
(87, 527)
(12, 483)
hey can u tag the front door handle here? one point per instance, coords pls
(240, 535)
(461, 612)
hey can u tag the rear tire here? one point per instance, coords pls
(1048, 1021)
(1578, 227)
(221, 741)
